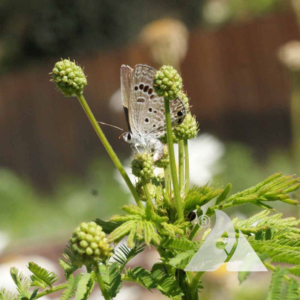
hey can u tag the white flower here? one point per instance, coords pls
(115, 102)
(216, 11)
(204, 153)
(289, 54)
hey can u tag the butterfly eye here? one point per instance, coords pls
(129, 136)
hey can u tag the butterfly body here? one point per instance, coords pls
(144, 109)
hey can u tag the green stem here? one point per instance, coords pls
(101, 284)
(144, 182)
(53, 290)
(187, 166)
(178, 202)
(195, 281)
(181, 164)
(167, 172)
(108, 148)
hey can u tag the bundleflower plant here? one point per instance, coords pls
(162, 218)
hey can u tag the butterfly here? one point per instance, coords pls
(145, 111)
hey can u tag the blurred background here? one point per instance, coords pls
(240, 63)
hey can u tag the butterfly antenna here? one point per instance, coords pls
(122, 134)
(111, 125)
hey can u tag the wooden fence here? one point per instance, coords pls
(238, 89)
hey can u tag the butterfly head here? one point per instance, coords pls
(127, 136)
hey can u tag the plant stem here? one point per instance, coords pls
(53, 290)
(101, 283)
(273, 268)
(108, 148)
(181, 164)
(167, 172)
(187, 166)
(144, 182)
(195, 281)
(172, 161)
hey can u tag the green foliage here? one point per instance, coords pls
(6, 295)
(292, 292)
(167, 285)
(275, 292)
(71, 287)
(112, 278)
(107, 226)
(85, 286)
(124, 254)
(200, 196)
(41, 277)
(22, 283)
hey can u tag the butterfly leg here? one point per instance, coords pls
(157, 147)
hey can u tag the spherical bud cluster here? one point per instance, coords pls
(69, 78)
(165, 160)
(188, 129)
(89, 244)
(167, 82)
(143, 165)
(182, 95)
(163, 139)
(153, 190)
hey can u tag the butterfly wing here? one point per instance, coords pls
(146, 108)
(126, 76)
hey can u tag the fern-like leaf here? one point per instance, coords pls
(71, 287)
(112, 279)
(167, 285)
(107, 226)
(140, 276)
(275, 291)
(7, 295)
(181, 260)
(125, 254)
(41, 277)
(22, 283)
(85, 286)
(292, 292)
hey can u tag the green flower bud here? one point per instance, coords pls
(167, 82)
(89, 251)
(188, 129)
(165, 160)
(84, 244)
(69, 78)
(89, 245)
(163, 139)
(140, 190)
(142, 165)
(182, 95)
